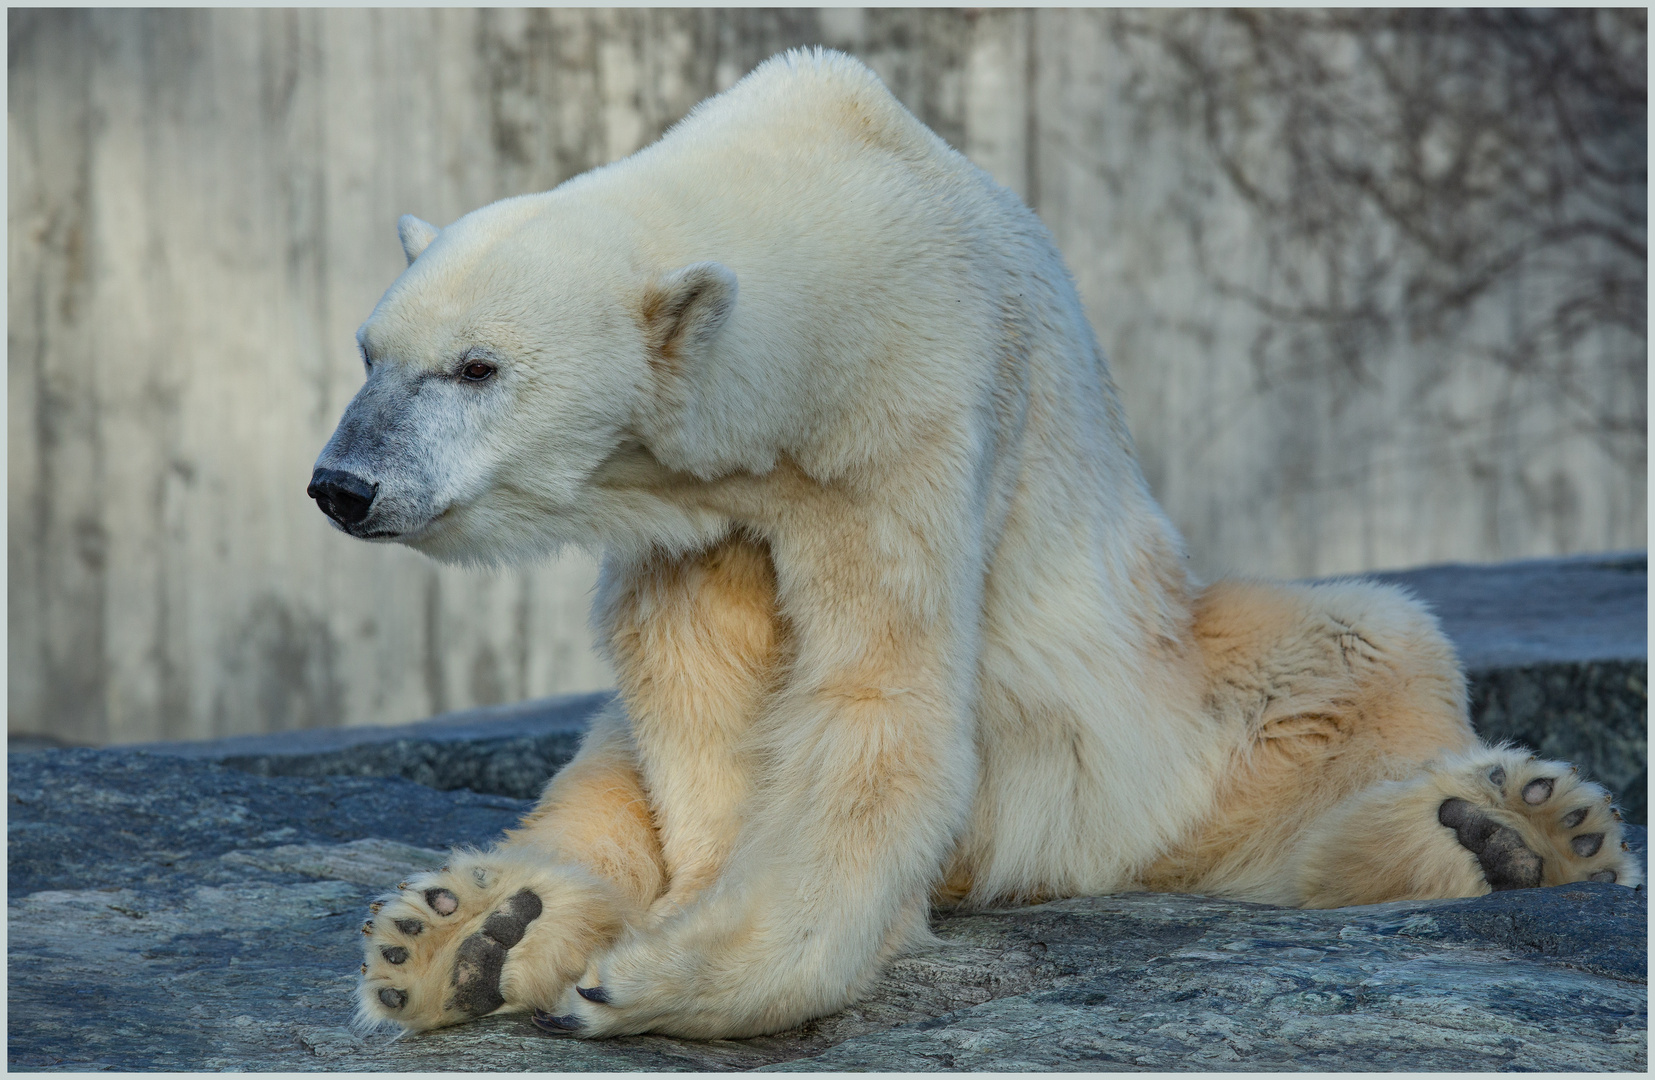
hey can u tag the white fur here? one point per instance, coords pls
(801, 318)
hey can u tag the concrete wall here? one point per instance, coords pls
(202, 209)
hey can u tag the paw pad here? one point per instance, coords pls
(476, 978)
(477, 965)
(1506, 861)
(507, 925)
(442, 901)
(1538, 791)
(393, 999)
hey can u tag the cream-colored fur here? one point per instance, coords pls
(893, 612)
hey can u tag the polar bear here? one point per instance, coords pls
(895, 619)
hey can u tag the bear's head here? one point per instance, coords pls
(514, 372)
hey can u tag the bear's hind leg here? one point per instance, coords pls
(1488, 819)
(490, 932)
(510, 928)
(1325, 690)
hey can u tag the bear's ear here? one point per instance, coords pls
(684, 309)
(416, 235)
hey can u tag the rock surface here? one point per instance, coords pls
(501, 750)
(173, 914)
(194, 906)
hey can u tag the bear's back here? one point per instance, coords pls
(809, 146)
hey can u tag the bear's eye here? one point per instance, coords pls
(476, 371)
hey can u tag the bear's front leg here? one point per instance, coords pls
(866, 767)
(697, 646)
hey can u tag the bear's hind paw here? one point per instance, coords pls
(1507, 862)
(473, 939)
(1531, 822)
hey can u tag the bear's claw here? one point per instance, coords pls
(593, 993)
(547, 1022)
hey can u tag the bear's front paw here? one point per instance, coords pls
(709, 974)
(476, 938)
(672, 979)
(603, 1002)
(1531, 822)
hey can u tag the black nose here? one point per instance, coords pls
(344, 497)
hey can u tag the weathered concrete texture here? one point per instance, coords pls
(82, 817)
(173, 914)
(202, 210)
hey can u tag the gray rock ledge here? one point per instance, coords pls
(169, 913)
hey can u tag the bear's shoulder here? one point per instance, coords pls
(802, 95)
(813, 73)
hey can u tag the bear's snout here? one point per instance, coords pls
(344, 497)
